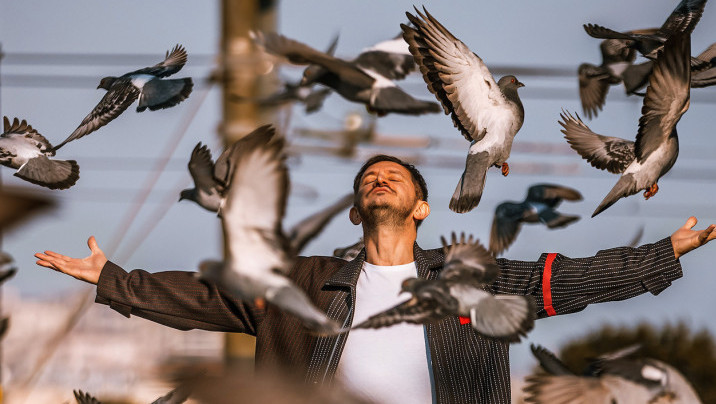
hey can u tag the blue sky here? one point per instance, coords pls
(116, 160)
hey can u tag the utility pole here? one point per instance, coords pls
(243, 72)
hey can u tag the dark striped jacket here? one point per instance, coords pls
(465, 367)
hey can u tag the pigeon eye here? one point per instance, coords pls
(512, 80)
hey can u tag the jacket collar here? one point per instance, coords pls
(427, 261)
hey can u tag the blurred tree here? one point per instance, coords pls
(693, 353)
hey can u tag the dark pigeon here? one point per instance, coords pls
(611, 378)
(649, 42)
(212, 180)
(351, 81)
(145, 84)
(259, 254)
(311, 98)
(538, 207)
(487, 113)
(23, 148)
(307, 229)
(643, 162)
(460, 291)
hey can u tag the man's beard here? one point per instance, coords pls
(384, 214)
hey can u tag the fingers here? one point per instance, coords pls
(92, 244)
(690, 222)
(704, 236)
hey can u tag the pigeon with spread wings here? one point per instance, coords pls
(539, 206)
(352, 81)
(461, 291)
(487, 113)
(259, 253)
(23, 148)
(147, 84)
(643, 162)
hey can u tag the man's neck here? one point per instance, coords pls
(390, 245)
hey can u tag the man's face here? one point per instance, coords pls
(386, 192)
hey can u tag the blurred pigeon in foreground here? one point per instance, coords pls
(212, 180)
(653, 154)
(17, 204)
(391, 58)
(350, 80)
(682, 20)
(22, 148)
(144, 84)
(461, 291)
(538, 206)
(612, 378)
(349, 253)
(259, 253)
(307, 229)
(7, 267)
(487, 113)
(176, 396)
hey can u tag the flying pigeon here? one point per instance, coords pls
(259, 253)
(612, 378)
(487, 113)
(349, 253)
(643, 162)
(22, 148)
(7, 267)
(705, 77)
(349, 79)
(145, 84)
(212, 180)
(17, 204)
(538, 206)
(307, 229)
(460, 291)
(391, 59)
(649, 42)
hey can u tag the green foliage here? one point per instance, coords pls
(692, 353)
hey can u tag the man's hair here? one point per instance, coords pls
(421, 189)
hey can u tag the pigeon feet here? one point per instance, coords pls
(260, 303)
(651, 191)
(505, 169)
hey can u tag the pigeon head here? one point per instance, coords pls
(409, 285)
(312, 74)
(106, 82)
(509, 82)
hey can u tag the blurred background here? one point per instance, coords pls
(131, 171)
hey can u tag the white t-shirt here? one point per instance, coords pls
(390, 364)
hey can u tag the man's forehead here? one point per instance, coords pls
(388, 166)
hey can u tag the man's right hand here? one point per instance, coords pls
(86, 269)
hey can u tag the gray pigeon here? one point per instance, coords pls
(259, 253)
(22, 148)
(352, 81)
(17, 204)
(145, 84)
(212, 180)
(307, 229)
(390, 59)
(7, 267)
(612, 378)
(487, 113)
(643, 162)
(649, 42)
(538, 207)
(461, 290)
(311, 98)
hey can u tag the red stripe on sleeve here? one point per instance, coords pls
(546, 289)
(464, 320)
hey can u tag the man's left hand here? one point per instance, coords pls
(685, 239)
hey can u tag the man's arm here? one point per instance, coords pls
(563, 285)
(174, 298)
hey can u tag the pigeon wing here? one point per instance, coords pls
(467, 258)
(172, 63)
(667, 96)
(505, 317)
(459, 78)
(21, 129)
(176, 396)
(552, 194)
(392, 98)
(709, 54)
(684, 18)
(549, 361)
(302, 54)
(506, 225)
(390, 59)
(308, 228)
(119, 97)
(416, 311)
(255, 206)
(566, 389)
(224, 166)
(201, 167)
(85, 398)
(603, 152)
(593, 88)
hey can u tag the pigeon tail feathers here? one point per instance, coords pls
(624, 187)
(469, 189)
(52, 174)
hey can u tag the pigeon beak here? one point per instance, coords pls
(520, 84)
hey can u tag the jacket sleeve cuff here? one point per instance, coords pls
(665, 269)
(110, 274)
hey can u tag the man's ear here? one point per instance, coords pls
(421, 211)
(354, 216)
